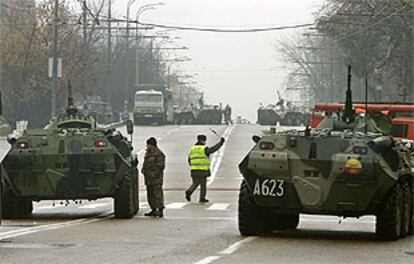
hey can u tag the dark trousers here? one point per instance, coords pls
(155, 196)
(198, 180)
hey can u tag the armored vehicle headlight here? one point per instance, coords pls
(22, 145)
(353, 166)
(360, 150)
(267, 145)
(101, 143)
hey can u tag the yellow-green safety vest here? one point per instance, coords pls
(198, 158)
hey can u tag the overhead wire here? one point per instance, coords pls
(226, 30)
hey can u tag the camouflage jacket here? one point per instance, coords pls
(153, 167)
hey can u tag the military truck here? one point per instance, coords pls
(349, 166)
(153, 105)
(70, 159)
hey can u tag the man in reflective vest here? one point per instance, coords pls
(199, 160)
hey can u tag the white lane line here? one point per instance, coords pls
(233, 248)
(228, 251)
(217, 157)
(219, 206)
(208, 260)
(175, 205)
(36, 229)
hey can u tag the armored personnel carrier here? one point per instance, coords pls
(348, 167)
(70, 159)
(284, 113)
(207, 115)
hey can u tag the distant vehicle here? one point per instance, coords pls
(401, 114)
(241, 120)
(70, 159)
(100, 110)
(207, 115)
(153, 105)
(349, 167)
(284, 113)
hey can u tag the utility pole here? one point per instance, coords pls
(126, 88)
(109, 59)
(55, 59)
(85, 55)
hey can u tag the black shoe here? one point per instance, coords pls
(204, 200)
(152, 213)
(188, 196)
(159, 213)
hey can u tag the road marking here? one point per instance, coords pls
(219, 206)
(208, 260)
(41, 228)
(207, 218)
(228, 251)
(217, 157)
(175, 205)
(233, 248)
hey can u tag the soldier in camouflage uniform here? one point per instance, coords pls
(153, 170)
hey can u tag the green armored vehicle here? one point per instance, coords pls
(284, 113)
(70, 159)
(205, 115)
(348, 167)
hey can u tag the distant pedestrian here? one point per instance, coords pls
(199, 160)
(153, 170)
(227, 115)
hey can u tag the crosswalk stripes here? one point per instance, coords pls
(218, 206)
(181, 205)
(175, 205)
(144, 205)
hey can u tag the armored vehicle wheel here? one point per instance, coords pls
(283, 221)
(389, 219)
(126, 201)
(250, 220)
(14, 207)
(406, 209)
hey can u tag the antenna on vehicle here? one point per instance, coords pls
(70, 97)
(349, 112)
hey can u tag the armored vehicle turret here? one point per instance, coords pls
(70, 159)
(349, 166)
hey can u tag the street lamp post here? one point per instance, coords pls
(126, 88)
(139, 13)
(55, 58)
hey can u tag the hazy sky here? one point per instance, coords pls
(238, 69)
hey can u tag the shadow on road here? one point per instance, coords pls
(327, 235)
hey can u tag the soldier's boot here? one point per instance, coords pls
(204, 200)
(159, 212)
(188, 196)
(152, 213)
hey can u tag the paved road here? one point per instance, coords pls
(190, 232)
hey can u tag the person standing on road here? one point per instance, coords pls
(153, 170)
(227, 115)
(199, 160)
